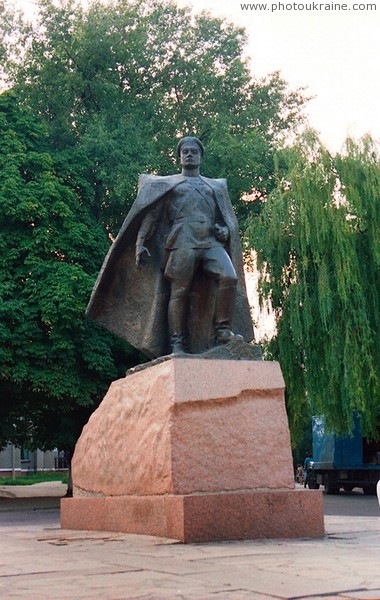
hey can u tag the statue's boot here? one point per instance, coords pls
(177, 343)
(223, 313)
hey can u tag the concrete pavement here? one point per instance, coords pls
(47, 489)
(40, 561)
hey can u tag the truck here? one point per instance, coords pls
(343, 462)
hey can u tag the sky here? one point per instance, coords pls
(334, 54)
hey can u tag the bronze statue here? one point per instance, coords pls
(173, 279)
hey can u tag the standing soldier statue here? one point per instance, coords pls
(173, 279)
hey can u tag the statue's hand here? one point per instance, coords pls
(140, 250)
(222, 233)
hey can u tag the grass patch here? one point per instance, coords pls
(31, 478)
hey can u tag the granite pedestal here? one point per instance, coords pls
(195, 450)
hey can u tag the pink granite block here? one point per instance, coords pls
(125, 447)
(83, 513)
(136, 514)
(252, 515)
(175, 518)
(225, 444)
(195, 450)
(203, 517)
(184, 426)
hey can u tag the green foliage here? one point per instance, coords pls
(135, 76)
(318, 245)
(106, 90)
(54, 363)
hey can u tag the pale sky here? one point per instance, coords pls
(336, 55)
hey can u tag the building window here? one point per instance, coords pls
(25, 454)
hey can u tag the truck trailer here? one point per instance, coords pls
(343, 462)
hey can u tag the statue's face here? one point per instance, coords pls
(190, 155)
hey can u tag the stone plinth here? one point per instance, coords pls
(194, 450)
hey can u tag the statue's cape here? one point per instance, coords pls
(132, 302)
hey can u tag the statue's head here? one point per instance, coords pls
(190, 151)
(192, 140)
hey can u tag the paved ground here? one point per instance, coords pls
(48, 489)
(39, 561)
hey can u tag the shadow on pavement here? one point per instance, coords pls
(17, 504)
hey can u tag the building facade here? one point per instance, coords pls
(16, 461)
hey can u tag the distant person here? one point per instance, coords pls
(307, 466)
(299, 474)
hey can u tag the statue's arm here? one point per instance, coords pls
(147, 229)
(222, 232)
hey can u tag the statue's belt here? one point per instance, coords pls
(201, 221)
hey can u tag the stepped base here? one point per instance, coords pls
(194, 450)
(205, 517)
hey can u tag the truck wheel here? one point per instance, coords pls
(330, 485)
(313, 485)
(348, 488)
(369, 490)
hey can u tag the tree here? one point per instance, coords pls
(54, 364)
(318, 245)
(100, 94)
(135, 76)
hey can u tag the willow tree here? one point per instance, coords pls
(319, 252)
